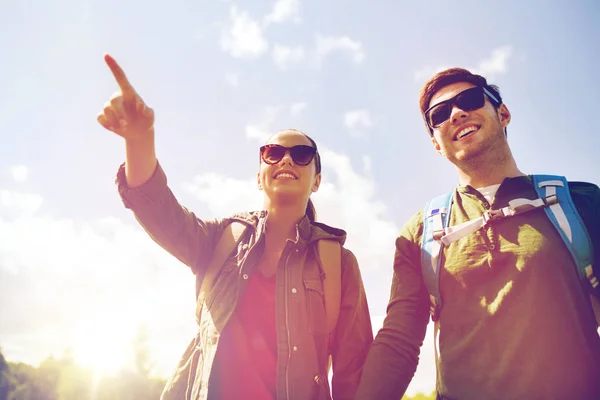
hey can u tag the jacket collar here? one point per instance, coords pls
(306, 230)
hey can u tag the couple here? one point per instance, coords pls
(280, 300)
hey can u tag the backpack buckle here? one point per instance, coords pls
(549, 200)
(492, 215)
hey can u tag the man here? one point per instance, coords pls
(517, 321)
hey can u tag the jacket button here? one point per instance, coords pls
(245, 276)
(492, 246)
(295, 348)
(294, 290)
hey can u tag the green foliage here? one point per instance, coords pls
(63, 379)
(420, 396)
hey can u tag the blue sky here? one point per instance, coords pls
(75, 270)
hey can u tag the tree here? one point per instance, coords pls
(421, 396)
(141, 352)
(7, 384)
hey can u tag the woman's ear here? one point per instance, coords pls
(316, 183)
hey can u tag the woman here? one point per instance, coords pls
(263, 321)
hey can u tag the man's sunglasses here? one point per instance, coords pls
(467, 100)
(301, 154)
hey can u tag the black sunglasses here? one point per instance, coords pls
(301, 154)
(467, 100)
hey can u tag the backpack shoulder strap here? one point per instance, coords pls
(436, 217)
(568, 222)
(330, 254)
(229, 239)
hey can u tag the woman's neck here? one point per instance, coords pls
(282, 220)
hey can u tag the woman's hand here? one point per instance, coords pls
(126, 114)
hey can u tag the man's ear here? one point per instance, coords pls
(258, 181)
(504, 115)
(435, 144)
(316, 183)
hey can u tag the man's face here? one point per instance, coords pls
(469, 134)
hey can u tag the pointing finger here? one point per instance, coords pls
(104, 122)
(119, 75)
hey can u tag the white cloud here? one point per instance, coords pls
(255, 133)
(284, 10)
(244, 37)
(20, 202)
(232, 79)
(496, 64)
(347, 199)
(225, 196)
(328, 44)
(297, 108)
(19, 173)
(286, 55)
(357, 119)
(261, 130)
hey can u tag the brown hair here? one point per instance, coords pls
(448, 77)
(310, 212)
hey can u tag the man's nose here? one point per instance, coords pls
(457, 114)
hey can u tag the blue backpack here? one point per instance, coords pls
(554, 198)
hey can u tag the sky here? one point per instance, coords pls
(75, 268)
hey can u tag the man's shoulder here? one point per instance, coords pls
(586, 197)
(584, 189)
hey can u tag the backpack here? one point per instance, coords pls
(554, 198)
(329, 258)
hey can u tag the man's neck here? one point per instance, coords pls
(482, 173)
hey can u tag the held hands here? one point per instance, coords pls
(126, 114)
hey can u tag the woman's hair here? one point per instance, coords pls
(310, 212)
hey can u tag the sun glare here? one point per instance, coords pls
(103, 344)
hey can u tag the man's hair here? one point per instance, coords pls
(448, 77)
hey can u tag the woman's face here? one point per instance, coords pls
(286, 179)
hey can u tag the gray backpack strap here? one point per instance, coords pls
(330, 258)
(330, 253)
(230, 238)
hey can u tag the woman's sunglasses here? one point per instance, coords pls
(301, 154)
(467, 100)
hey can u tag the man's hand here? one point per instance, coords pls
(126, 114)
